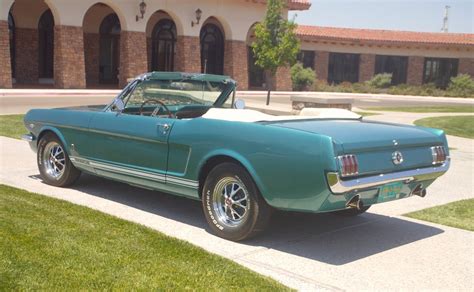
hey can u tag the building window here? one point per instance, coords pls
(439, 71)
(306, 58)
(11, 31)
(163, 46)
(109, 52)
(343, 68)
(256, 73)
(395, 65)
(46, 45)
(212, 49)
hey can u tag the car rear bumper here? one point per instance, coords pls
(339, 186)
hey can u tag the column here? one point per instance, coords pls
(415, 70)
(236, 62)
(5, 68)
(188, 54)
(133, 55)
(69, 64)
(366, 67)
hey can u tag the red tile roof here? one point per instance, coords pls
(299, 4)
(384, 36)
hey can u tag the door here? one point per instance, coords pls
(130, 147)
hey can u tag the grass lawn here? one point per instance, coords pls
(462, 126)
(12, 126)
(49, 244)
(457, 214)
(426, 109)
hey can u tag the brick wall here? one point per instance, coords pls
(235, 62)
(69, 65)
(415, 70)
(5, 68)
(91, 57)
(133, 57)
(148, 53)
(466, 66)
(366, 67)
(321, 65)
(283, 79)
(26, 55)
(188, 54)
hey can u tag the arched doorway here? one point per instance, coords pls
(11, 31)
(256, 74)
(163, 45)
(109, 52)
(46, 45)
(212, 49)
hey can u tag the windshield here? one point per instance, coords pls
(175, 92)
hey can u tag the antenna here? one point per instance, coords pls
(445, 19)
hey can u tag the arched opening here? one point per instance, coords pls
(163, 44)
(256, 74)
(109, 58)
(46, 45)
(212, 49)
(11, 31)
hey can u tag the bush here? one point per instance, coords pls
(381, 80)
(302, 78)
(461, 85)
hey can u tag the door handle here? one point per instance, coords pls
(165, 127)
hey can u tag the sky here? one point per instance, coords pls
(412, 15)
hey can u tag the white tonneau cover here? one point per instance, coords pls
(251, 116)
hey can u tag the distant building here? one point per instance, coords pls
(90, 44)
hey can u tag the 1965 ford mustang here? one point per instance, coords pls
(183, 134)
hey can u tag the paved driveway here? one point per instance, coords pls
(379, 250)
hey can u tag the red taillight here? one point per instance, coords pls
(349, 165)
(439, 154)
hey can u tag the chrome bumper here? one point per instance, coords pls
(28, 138)
(338, 186)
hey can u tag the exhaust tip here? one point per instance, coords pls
(355, 203)
(419, 191)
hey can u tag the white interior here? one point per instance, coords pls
(251, 116)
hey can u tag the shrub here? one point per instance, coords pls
(381, 80)
(461, 85)
(302, 78)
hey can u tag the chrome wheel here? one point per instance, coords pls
(230, 201)
(54, 160)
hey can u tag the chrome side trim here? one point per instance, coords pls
(28, 138)
(339, 186)
(162, 178)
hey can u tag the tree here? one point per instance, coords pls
(275, 42)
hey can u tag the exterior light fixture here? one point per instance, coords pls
(142, 7)
(198, 17)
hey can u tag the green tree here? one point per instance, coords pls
(276, 43)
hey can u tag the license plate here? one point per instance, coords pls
(390, 191)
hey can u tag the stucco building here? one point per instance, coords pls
(91, 44)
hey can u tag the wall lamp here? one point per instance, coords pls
(198, 17)
(142, 7)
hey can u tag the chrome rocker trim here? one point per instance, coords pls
(28, 138)
(339, 186)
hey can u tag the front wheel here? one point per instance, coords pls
(53, 162)
(232, 204)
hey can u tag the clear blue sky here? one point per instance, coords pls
(412, 15)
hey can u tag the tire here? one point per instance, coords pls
(243, 200)
(53, 162)
(351, 212)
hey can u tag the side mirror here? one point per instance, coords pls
(239, 104)
(118, 105)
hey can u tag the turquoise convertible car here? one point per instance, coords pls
(184, 134)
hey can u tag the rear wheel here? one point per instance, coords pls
(352, 212)
(53, 162)
(232, 204)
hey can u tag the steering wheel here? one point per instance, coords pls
(160, 105)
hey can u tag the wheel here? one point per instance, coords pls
(352, 212)
(232, 203)
(53, 162)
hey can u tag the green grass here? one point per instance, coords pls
(462, 126)
(458, 214)
(12, 126)
(366, 114)
(426, 109)
(49, 244)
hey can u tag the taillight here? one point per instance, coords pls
(439, 154)
(349, 165)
